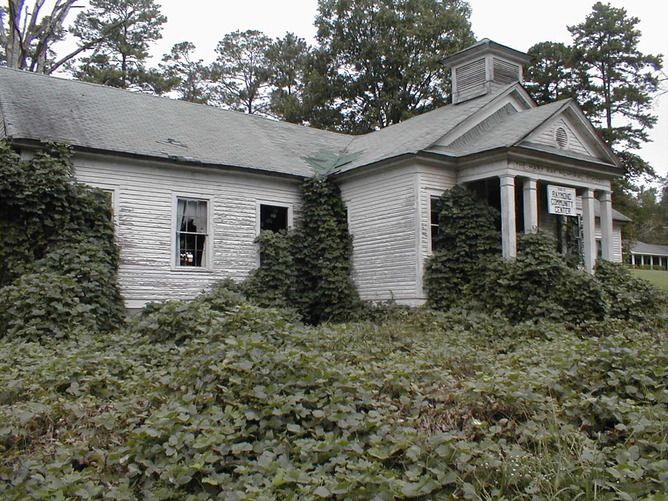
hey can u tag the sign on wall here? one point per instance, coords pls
(561, 200)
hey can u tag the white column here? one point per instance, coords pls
(605, 198)
(530, 206)
(588, 230)
(633, 260)
(508, 236)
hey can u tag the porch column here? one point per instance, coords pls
(530, 206)
(633, 260)
(605, 198)
(508, 236)
(588, 230)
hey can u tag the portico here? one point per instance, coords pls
(522, 200)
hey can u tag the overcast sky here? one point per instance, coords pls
(516, 23)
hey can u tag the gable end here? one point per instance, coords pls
(570, 131)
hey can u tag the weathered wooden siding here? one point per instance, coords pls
(546, 136)
(144, 194)
(616, 240)
(383, 219)
(433, 181)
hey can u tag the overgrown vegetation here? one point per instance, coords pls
(252, 405)
(58, 259)
(466, 270)
(221, 398)
(309, 268)
(467, 236)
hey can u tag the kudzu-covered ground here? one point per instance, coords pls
(217, 399)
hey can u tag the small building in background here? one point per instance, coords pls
(649, 256)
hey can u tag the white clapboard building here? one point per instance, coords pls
(193, 185)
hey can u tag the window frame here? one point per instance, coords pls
(432, 194)
(114, 190)
(207, 265)
(258, 217)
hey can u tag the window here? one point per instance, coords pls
(435, 209)
(109, 197)
(273, 217)
(191, 232)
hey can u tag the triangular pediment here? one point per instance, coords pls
(569, 132)
(513, 100)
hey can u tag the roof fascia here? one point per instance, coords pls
(523, 154)
(172, 161)
(485, 47)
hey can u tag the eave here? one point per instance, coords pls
(170, 160)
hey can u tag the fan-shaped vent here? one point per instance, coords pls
(561, 136)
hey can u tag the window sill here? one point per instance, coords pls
(191, 269)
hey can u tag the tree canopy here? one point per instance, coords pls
(125, 28)
(186, 75)
(614, 82)
(241, 72)
(384, 59)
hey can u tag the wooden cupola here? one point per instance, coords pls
(482, 68)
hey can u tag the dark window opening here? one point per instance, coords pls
(273, 218)
(109, 200)
(435, 209)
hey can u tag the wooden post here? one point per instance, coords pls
(605, 199)
(508, 235)
(530, 206)
(589, 230)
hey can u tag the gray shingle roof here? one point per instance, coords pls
(653, 249)
(104, 118)
(413, 135)
(92, 116)
(508, 132)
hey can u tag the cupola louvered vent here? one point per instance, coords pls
(506, 72)
(471, 79)
(485, 67)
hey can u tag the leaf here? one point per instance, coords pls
(322, 492)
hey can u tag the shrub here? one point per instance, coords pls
(175, 320)
(93, 270)
(41, 305)
(539, 284)
(467, 237)
(54, 230)
(310, 268)
(273, 283)
(628, 297)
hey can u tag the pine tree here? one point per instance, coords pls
(126, 29)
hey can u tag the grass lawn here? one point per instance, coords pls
(657, 277)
